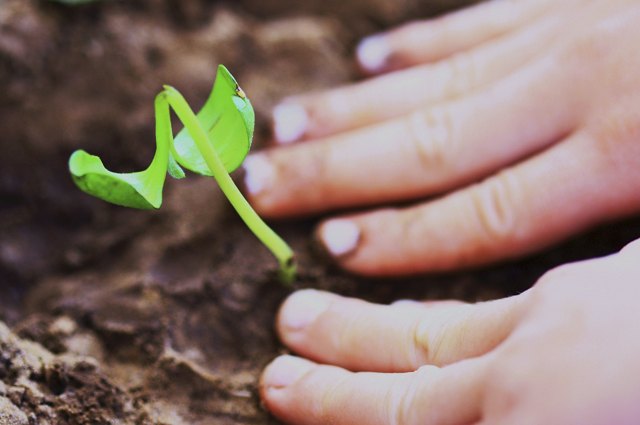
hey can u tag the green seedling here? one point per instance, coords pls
(214, 143)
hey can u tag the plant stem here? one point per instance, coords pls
(279, 248)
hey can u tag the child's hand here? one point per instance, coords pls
(528, 112)
(564, 352)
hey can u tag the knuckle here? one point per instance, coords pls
(399, 403)
(404, 396)
(431, 132)
(420, 342)
(495, 201)
(434, 334)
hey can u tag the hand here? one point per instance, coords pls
(524, 112)
(565, 352)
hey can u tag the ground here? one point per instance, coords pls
(166, 317)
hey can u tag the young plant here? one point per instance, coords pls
(212, 143)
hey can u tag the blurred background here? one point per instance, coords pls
(165, 317)
(84, 75)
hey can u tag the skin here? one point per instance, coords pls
(519, 122)
(564, 352)
(484, 111)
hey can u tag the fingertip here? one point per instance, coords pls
(354, 243)
(276, 381)
(339, 237)
(373, 53)
(290, 122)
(259, 174)
(301, 309)
(283, 372)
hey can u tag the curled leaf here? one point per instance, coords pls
(132, 190)
(142, 189)
(228, 118)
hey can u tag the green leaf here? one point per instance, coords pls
(134, 190)
(174, 168)
(141, 189)
(228, 118)
(214, 142)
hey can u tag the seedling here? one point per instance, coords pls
(212, 143)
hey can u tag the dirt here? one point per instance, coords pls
(166, 317)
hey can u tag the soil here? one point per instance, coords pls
(166, 317)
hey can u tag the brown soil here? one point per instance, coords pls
(119, 316)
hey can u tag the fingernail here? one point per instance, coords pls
(373, 52)
(303, 308)
(340, 237)
(259, 173)
(290, 122)
(284, 371)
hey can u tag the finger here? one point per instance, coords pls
(353, 106)
(304, 393)
(553, 195)
(431, 40)
(357, 335)
(429, 151)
